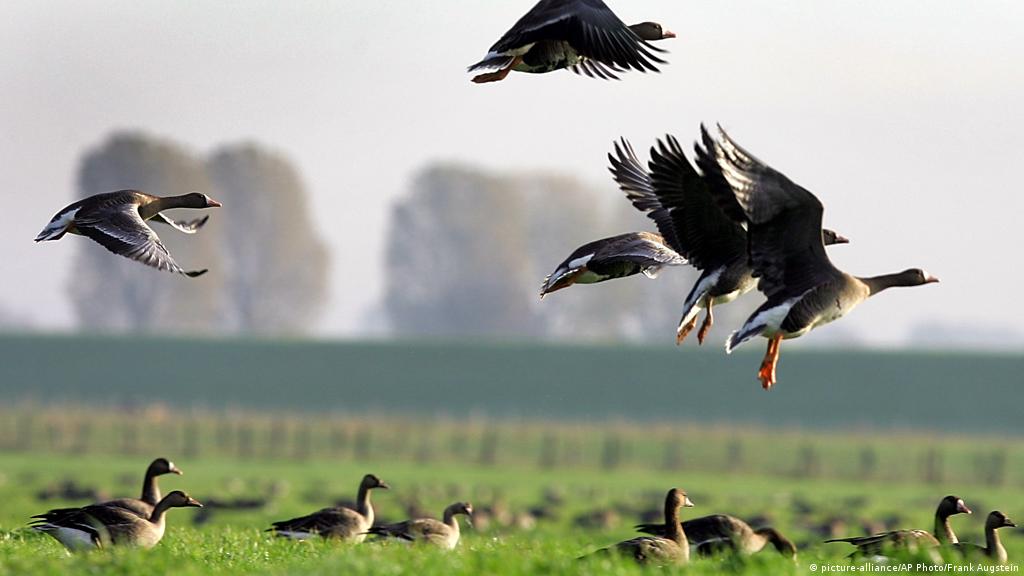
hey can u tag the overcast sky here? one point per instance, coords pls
(903, 116)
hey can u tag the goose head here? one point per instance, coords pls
(162, 466)
(371, 481)
(651, 31)
(179, 499)
(951, 505)
(832, 237)
(678, 498)
(916, 277)
(997, 519)
(200, 200)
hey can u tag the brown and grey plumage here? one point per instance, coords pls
(337, 521)
(993, 547)
(804, 289)
(704, 228)
(143, 506)
(442, 533)
(584, 35)
(610, 258)
(117, 221)
(713, 534)
(913, 540)
(101, 525)
(672, 547)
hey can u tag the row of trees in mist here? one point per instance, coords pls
(268, 268)
(467, 252)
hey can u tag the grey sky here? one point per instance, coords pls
(902, 116)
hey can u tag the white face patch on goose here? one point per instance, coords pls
(58, 225)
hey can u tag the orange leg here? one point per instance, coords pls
(499, 75)
(684, 330)
(709, 320)
(771, 358)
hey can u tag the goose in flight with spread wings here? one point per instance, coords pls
(804, 289)
(584, 35)
(117, 221)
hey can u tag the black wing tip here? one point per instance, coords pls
(196, 273)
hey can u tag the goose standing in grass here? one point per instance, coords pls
(143, 506)
(695, 222)
(710, 535)
(584, 35)
(672, 547)
(336, 522)
(102, 526)
(610, 258)
(117, 221)
(993, 548)
(442, 533)
(804, 289)
(913, 540)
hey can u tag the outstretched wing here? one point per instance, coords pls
(186, 226)
(589, 26)
(122, 230)
(785, 239)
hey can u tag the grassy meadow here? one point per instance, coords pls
(560, 449)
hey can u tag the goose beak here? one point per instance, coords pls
(176, 470)
(1010, 523)
(668, 34)
(842, 239)
(193, 503)
(930, 279)
(384, 486)
(962, 508)
(213, 204)
(559, 279)
(687, 502)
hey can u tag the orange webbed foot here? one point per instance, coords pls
(684, 330)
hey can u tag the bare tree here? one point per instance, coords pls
(277, 264)
(109, 292)
(457, 257)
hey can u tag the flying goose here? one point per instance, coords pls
(993, 546)
(804, 289)
(443, 533)
(913, 539)
(335, 522)
(101, 525)
(584, 35)
(672, 547)
(694, 222)
(710, 535)
(614, 257)
(117, 221)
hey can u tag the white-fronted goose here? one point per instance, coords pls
(615, 257)
(710, 535)
(804, 289)
(694, 223)
(143, 506)
(993, 546)
(117, 221)
(335, 522)
(670, 548)
(913, 540)
(443, 533)
(584, 35)
(101, 526)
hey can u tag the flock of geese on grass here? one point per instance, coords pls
(141, 522)
(739, 221)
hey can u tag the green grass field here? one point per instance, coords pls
(233, 541)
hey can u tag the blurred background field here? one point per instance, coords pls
(562, 448)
